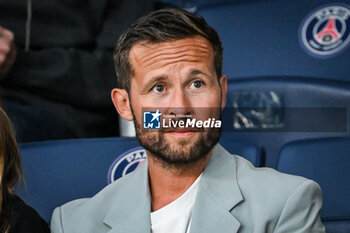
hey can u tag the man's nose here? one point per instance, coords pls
(180, 104)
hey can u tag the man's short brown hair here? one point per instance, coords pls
(162, 26)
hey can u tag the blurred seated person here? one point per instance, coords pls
(15, 215)
(56, 65)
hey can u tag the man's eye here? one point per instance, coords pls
(196, 84)
(159, 88)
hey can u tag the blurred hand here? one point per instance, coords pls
(7, 51)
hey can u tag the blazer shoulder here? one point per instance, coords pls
(265, 176)
(87, 213)
(279, 202)
(270, 187)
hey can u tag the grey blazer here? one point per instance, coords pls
(233, 196)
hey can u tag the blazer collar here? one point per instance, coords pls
(131, 205)
(217, 195)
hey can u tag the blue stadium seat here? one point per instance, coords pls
(62, 170)
(261, 38)
(246, 149)
(327, 162)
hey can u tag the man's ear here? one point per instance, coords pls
(120, 98)
(223, 85)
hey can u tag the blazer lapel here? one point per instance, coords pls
(217, 195)
(131, 206)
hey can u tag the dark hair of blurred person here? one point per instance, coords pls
(15, 215)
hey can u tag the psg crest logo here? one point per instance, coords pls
(126, 163)
(326, 31)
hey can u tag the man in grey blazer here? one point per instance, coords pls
(170, 61)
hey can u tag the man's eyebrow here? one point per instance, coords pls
(196, 71)
(149, 83)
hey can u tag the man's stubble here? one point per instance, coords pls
(182, 155)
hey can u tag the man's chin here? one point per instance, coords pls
(177, 147)
(181, 149)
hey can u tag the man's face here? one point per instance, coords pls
(179, 78)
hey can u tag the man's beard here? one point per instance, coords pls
(182, 154)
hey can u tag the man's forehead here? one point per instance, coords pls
(188, 49)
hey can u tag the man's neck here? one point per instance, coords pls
(169, 183)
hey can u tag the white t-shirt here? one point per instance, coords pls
(176, 217)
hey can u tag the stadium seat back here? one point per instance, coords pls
(263, 38)
(244, 148)
(59, 171)
(327, 162)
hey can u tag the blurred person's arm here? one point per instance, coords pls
(7, 51)
(82, 75)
